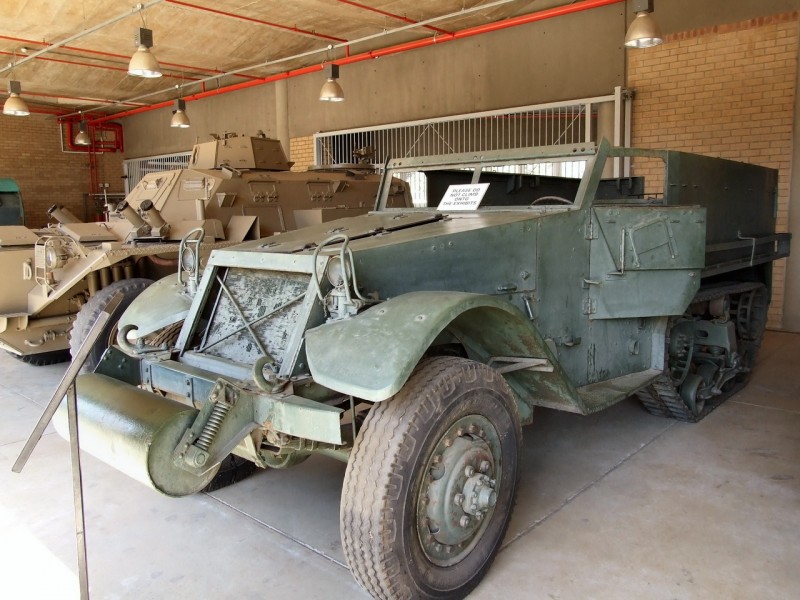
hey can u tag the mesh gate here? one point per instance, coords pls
(571, 122)
(137, 168)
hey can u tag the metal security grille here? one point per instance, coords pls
(571, 122)
(136, 168)
(254, 314)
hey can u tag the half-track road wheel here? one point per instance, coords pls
(90, 311)
(235, 468)
(431, 483)
(232, 469)
(698, 380)
(661, 399)
(285, 461)
(42, 359)
(750, 313)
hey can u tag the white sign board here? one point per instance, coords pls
(463, 197)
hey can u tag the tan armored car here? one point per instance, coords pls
(59, 278)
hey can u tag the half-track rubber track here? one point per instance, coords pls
(661, 398)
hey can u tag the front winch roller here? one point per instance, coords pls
(135, 432)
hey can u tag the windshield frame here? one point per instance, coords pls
(480, 161)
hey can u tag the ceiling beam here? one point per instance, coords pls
(371, 54)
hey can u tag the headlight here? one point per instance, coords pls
(54, 257)
(336, 274)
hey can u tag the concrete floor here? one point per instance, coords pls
(616, 505)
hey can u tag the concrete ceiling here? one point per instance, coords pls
(199, 42)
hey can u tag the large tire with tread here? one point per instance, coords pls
(90, 311)
(42, 359)
(431, 483)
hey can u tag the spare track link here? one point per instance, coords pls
(662, 399)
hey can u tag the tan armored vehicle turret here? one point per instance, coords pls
(235, 189)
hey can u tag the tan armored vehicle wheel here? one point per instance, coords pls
(429, 491)
(89, 312)
(44, 358)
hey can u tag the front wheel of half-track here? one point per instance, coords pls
(431, 483)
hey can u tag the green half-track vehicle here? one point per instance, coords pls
(415, 343)
(57, 279)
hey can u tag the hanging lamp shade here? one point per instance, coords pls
(331, 90)
(644, 32)
(15, 105)
(179, 116)
(82, 138)
(143, 63)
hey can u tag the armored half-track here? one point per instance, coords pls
(235, 188)
(415, 343)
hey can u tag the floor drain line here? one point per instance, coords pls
(279, 532)
(580, 491)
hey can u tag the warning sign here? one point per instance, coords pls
(463, 197)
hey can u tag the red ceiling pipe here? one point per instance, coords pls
(94, 66)
(102, 143)
(217, 92)
(81, 98)
(259, 21)
(44, 111)
(114, 55)
(391, 15)
(73, 48)
(397, 49)
(70, 62)
(481, 29)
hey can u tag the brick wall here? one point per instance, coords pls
(724, 91)
(302, 152)
(30, 153)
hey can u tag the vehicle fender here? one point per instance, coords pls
(372, 355)
(161, 304)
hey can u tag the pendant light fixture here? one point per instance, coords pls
(143, 63)
(331, 90)
(179, 117)
(15, 105)
(644, 32)
(82, 137)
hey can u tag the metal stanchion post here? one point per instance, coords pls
(67, 387)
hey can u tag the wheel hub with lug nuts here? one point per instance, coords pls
(458, 493)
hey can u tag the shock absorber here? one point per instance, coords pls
(211, 428)
(195, 452)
